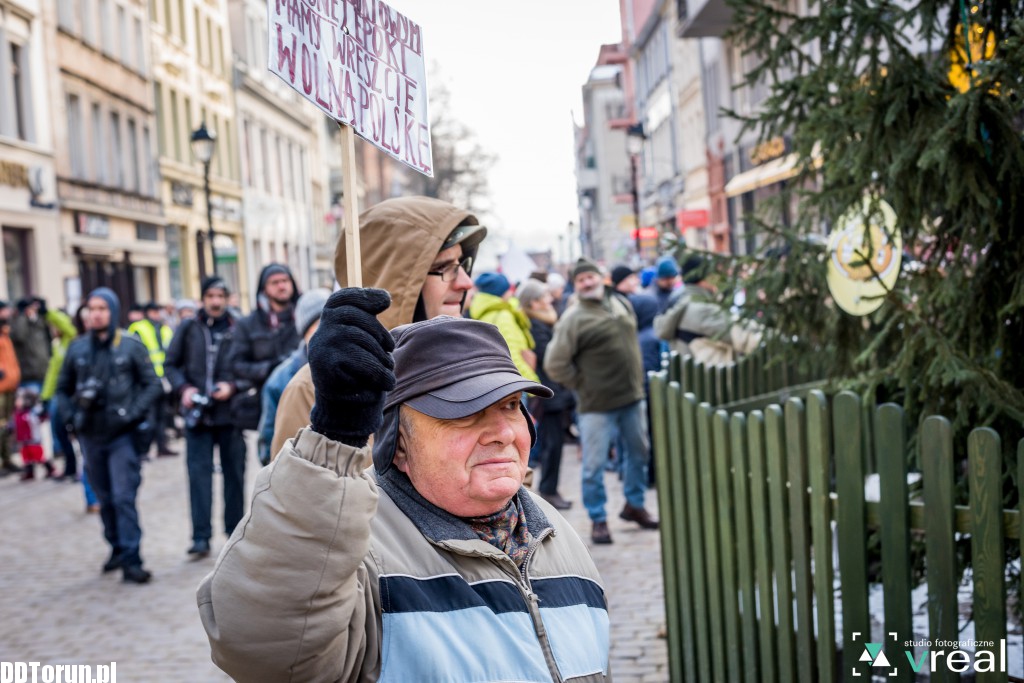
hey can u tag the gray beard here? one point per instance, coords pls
(593, 295)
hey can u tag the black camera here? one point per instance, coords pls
(194, 416)
(87, 396)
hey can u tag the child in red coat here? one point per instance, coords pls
(27, 433)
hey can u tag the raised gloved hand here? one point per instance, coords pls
(351, 366)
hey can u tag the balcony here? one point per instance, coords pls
(703, 18)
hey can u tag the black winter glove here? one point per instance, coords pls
(351, 366)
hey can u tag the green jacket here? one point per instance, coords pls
(513, 325)
(596, 353)
(66, 328)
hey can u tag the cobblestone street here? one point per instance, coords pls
(58, 609)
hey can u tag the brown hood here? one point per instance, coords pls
(399, 239)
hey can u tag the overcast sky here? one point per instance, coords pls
(515, 70)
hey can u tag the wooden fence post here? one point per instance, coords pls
(761, 516)
(853, 570)
(937, 474)
(800, 532)
(744, 550)
(985, 462)
(727, 543)
(694, 507)
(890, 454)
(782, 555)
(671, 544)
(819, 447)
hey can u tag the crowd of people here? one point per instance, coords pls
(397, 424)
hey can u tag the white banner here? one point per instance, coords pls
(361, 62)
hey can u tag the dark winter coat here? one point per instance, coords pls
(125, 377)
(32, 344)
(262, 341)
(187, 362)
(563, 398)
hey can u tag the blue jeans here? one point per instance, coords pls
(115, 472)
(596, 433)
(199, 443)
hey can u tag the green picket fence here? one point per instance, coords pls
(747, 506)
(752, 382)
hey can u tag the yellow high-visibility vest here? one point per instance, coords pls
(145, 331)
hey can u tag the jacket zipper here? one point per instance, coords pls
(533, 604)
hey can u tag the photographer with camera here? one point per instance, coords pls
(105, 389)
(199, 368)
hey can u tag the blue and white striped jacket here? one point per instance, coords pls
(334, 578)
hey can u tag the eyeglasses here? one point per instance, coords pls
(451, 271)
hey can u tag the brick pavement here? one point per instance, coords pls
(57, 608)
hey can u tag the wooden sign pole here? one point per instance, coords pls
(351, 203)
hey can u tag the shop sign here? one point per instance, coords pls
(691, 218)
(768, 150)
(13, 174)
(648, 233)
(92, 225)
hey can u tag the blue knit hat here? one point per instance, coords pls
(492, 283)
(667, 267)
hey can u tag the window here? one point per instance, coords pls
(187, 131)
(147, 232)
(168, 17)
(303, 187)
(278, 167)
(140, 46)
(76, 137)
(181, 22)
(106, 29)
(116, 150)
(161, 113)
(199, 43)
(218, 150)
(247, 168)
(66, 15)
(210, 55)
(292, 180)
(175, 126)
(17, 262)
(99, 150)
(229, 147)
(88, 22)
(21, 105)
(132, 172)
(148, 178)
(265, 158)
(219, 53)
(122, 34)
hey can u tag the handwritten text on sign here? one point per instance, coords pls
(361, 62)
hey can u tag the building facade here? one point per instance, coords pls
(111, 219)
(28, 198)
(192, 85)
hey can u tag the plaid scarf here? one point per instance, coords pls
(505, 530)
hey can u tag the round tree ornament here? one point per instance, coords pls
(865, 252)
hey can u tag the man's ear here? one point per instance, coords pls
(401, 459)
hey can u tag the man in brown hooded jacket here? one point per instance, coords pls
(421, 250)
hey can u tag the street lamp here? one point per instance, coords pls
(635, 145)
(203, 145)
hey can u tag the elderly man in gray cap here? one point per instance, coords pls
(434, 564)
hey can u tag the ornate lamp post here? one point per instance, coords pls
(635, 146)
(204, 143)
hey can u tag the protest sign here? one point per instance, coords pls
(361, 62)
